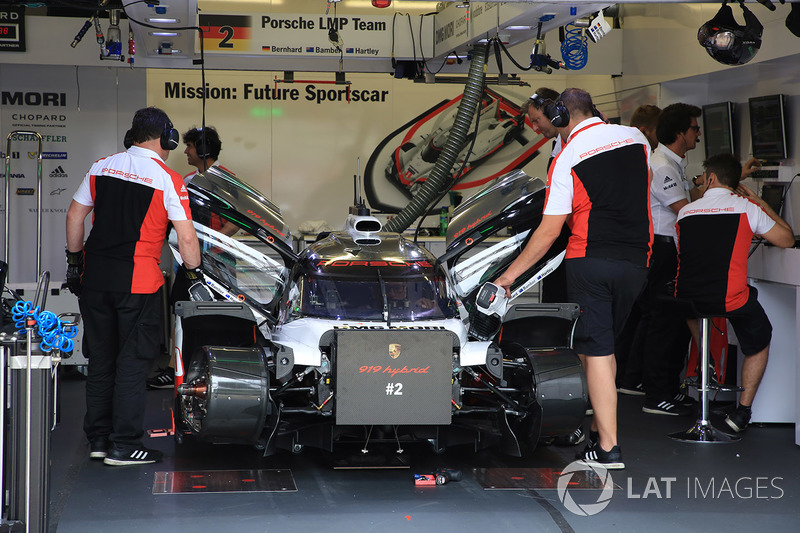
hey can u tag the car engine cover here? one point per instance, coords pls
(393, 376)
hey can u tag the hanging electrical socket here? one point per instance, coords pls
(599, 28)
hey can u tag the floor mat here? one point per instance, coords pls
(209, 481)
(536, 478)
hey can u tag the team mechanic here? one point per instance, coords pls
(133, 195)
(602, 178)
(714, 236)
(202, 152)
(666, 337)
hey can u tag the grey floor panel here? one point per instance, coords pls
(221, 481)
(88, 497)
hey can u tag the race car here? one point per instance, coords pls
(500, 139)
(364, 336)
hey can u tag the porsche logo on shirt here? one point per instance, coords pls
(394, 350)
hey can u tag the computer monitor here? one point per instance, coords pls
(768, 127)
(774, 194)
(718, 128)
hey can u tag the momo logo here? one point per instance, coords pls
(585, 509)
(58, 172)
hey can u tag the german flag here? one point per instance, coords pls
(222, 33)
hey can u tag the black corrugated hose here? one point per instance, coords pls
(441, 176)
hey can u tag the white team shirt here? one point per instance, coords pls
(590, 134)
(669, 185)
(720, 200)
(142, 166)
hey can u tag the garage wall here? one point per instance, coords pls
(82, 114)
(302, 152)
(683, 72)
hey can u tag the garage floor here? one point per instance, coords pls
(667, 486)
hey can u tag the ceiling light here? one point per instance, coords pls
(726, 41)
(162, 20)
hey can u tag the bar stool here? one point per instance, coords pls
(702, 430)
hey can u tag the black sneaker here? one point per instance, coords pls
(637, 390)
(594, 438)
(98, 448)
(684, 400)
(573, 439)
(694, 381)
(132, 456)
(610, 460)
(665, 407)
(738, 419)
(164, 380)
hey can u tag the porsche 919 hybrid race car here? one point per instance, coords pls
(365, 336)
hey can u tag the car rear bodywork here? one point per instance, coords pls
(364, 335)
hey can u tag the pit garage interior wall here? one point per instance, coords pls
(661, 56)
(82, 114)
(303, 151)
(303, 154)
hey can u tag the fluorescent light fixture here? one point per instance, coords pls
(164, 33)
(162, 20)
(519, 28)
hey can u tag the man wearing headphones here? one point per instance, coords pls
(203, 146)
(133, 196)
(534, 108)
(554, 287)
(202, 150)
(599, 184)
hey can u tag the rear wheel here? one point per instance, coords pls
(225, 396)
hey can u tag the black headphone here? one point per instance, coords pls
(170, 138)
(556, 112)
(127, 142)
(201, 145)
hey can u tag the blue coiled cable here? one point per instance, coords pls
(575, 48)
(51, 329)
